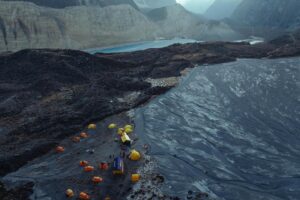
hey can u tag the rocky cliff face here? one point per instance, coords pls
(175, 21)
(221, 9)
(152, 4)
(265, 16)
(68, 3)
(26, 25)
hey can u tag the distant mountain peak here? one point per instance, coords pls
(221, 9)
(152, 4)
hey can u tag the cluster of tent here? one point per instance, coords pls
(118, 164)
(134, 155)
(85, 164)
(82, 135)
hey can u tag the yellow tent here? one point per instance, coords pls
(128, 126)
(135, 177)
(92, 126)
(128, 130)
(134, 155)
(112, 126)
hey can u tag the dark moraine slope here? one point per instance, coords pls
(47, 95)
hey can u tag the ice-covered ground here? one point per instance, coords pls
(231, 130)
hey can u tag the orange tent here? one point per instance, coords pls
(59, 149)
(89, 169)
(83, 163)
(97, 179)
(84, 196)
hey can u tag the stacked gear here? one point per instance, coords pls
(118, 164)
(125, 139)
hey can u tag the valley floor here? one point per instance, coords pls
(48, 96)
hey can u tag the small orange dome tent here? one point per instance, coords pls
(76, 139)
(97, 179)
(84, 196)
(59, 149)
(83, 163)
(88, 168)
(103, 166)
(83, 135)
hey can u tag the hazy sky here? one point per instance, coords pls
(197, 6)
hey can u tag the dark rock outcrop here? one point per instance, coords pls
(267, 17)
(17, 193)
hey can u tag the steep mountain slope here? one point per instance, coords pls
(152, 4)
(175, 21)
(26, 25)
(264, 16)
(67, 3)
(221, 9)
(32, 26)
